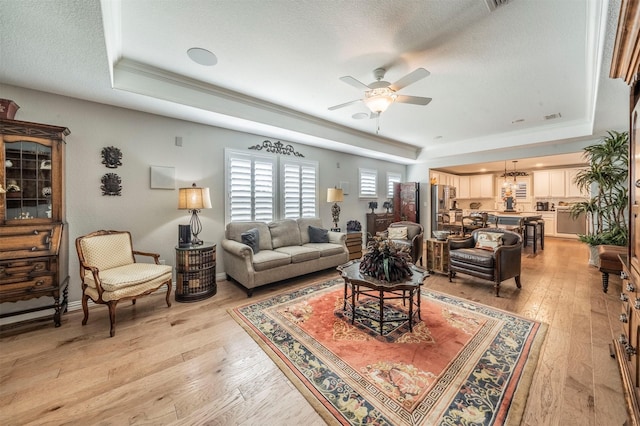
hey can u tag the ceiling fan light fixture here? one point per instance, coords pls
(378, 100)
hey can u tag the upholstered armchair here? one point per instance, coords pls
(109, 272)
(409, 234)
(489, 253)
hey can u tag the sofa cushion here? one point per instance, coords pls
(489, 240)
(303, 227)
(326, 249)
(300, 253)
(268, 259)
(284, 233)
(318, 235)
(252, 239)
(235, 229)
(397, 233)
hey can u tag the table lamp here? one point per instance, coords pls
(335, 195)
(194, 199)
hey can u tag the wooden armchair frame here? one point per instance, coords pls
(151, 276)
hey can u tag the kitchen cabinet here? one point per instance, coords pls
(571, 189)
(33, 234)
(549, 223)
(440, 178)
(549, 183)
(464, 188)
(481, 186)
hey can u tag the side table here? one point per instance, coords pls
(437, 256)
(354, 245)
(195, 272)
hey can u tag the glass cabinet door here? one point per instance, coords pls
(28, 169)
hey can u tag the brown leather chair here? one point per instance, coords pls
(415, 234)
(493, 264)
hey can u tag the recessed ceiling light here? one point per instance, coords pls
(202, 56)
(360, 116)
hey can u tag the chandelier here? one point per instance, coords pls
(514, 174)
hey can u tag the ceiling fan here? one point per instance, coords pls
(380, 94)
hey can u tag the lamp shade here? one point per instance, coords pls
(194, 198)
(334, 195)
(378, 103)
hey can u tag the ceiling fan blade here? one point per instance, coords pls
(355, 83)
(410, 78)
(415, 100)
(344, 104)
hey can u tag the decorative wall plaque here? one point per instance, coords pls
(111, 184)
(111, 157)
(277, 148)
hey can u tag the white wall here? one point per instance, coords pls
(145, 140)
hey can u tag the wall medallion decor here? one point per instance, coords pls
(111, 184)
(111, 157)
(277, 148)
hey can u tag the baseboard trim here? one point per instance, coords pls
(71, 306)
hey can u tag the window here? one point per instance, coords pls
(368, 180)
(391, 179)
(299, 185)
(256, 191)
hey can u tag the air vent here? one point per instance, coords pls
(552, 116)
(494, 4)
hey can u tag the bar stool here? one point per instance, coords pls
(534, 231)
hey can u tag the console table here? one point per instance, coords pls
(195, 272)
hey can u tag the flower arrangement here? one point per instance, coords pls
(386, 261)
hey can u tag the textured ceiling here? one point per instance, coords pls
(494, 75)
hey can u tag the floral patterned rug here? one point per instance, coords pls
(463, 364)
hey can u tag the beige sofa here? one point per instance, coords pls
(284, 250)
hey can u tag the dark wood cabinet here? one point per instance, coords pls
(378, 222)
(625, 64)
(33, 240)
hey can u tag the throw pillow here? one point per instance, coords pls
(252, 239)
(397, 233)
(488, 240)
(318, 235)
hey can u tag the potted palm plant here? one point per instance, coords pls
(606, 180)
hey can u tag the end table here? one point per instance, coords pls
(195, 272)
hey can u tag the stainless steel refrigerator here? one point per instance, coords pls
(443, 206)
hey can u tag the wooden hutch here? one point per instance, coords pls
(33, 239)
(626, 65)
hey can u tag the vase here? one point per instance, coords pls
(594, 258)
(8, 109)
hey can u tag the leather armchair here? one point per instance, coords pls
(495, 265)
(415, 234)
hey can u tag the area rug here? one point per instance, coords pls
(463, 364)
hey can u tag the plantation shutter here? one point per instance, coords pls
(250, 187)
(368, 183)
(391, 179)
(299, 181)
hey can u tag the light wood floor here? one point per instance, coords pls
(192, 364)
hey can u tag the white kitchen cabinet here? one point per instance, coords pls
(464, 188)
(571, 189)
(549, 183)
(549, 223)
(481, 186)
